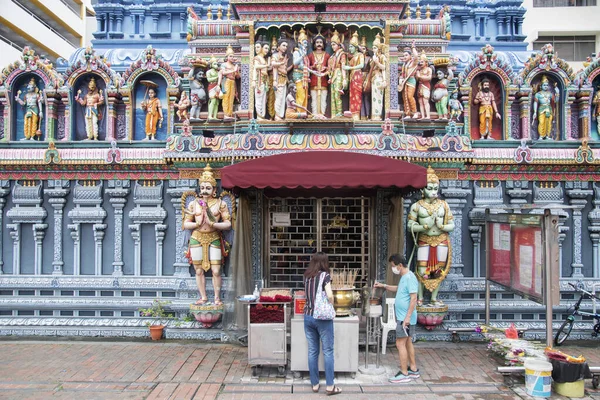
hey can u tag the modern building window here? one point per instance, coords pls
(564, 3)
(569, 48)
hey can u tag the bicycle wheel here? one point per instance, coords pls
(563, 332)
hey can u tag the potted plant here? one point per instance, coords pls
(156, 310)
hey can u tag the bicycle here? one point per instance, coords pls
(565, 329)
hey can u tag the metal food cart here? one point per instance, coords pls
(267, 342)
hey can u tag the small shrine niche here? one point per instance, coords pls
(327, 65)
(28, 108)
(595, 114)
(484, 122)
(89, 108)
(149, 121)
(28, 99)
(546, 111)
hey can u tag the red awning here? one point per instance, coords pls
(313, 172)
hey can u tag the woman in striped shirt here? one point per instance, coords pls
(319, 331)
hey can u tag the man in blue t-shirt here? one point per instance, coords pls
(406, 317)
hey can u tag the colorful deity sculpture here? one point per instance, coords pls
(355, 66)
(338, 78)
(487, 108)
(365, 107)
(440, 93)
(544, 104)
(596, 103)
(300, 74)
(456, 107)
(229, 75)
(430, 221)
(378, 78)
(33, 110)
(92, 101)
(318, 62)
(293, 109)
(271, 92)
(183, 105)
(424, 74)
(213, 77)
(207, 217)
(260, 81)
(154, 114)
(197, 91)
(407, 84)
(279, 61)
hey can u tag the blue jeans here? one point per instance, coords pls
(319, 331)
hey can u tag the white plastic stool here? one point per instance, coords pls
(390, 325)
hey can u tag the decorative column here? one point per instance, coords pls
(51, 115)
(111, 124)
(15, 235)
(155, 22)
(552, 194)
(27, 199)
(57, 191)
(4, 190)
(148, 199)
(119, 23)
(142, 21)
(477, 22)
(176, 190)
(455, 193)
(117, 192)
(464, 20)
(67, 117)
(524, 110)
(182, 25)
(160, 237)
(75, 235)
(132, 31)
(594, 228)
(39, 231)
(98, 237)
(578, 192)
(87, 196)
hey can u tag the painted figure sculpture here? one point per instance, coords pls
(229, 75)
(440, 93)
(300, 75)
(424, 74)
(596, 114)
(33, 110)
(544, 104)
(378, 78)
(338, 77)
(154, 114)
(407, 83)
(214, 89)
(260, 80)
(318, 61)
(205, 218)
(92, 101)
(430, 221)
(487, 108)
(355, 66)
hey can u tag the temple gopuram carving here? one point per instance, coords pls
(99, 152)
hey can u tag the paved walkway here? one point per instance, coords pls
(191, 370)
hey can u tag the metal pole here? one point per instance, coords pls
(548, 276)
(487, 262)
(319, 224)
(367, 342)
(362, 240)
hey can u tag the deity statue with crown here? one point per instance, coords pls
(430, 221)
(229, 74)
(33, 110)
(544, 108)
(206, 221)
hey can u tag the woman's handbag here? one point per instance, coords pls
(323, 308)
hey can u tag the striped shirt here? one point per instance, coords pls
(310, 289)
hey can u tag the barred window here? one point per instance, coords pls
(569, 48)
(564, 3)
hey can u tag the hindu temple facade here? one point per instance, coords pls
(97, 152)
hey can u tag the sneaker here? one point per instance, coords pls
(400, 378)
(414, 374)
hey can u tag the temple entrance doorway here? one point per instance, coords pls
(342, 227)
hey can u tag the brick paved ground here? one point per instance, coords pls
(191, 370)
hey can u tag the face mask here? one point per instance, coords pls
(396, 271)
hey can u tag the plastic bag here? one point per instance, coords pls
(511, 333)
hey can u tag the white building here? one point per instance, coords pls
(54, 28)
(572, 26)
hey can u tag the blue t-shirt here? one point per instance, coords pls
(408, 284)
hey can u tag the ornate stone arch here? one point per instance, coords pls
(588, 81)
(29, 64)
(149, 62)
(543, 62)
(90, 63)
(488, 63)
